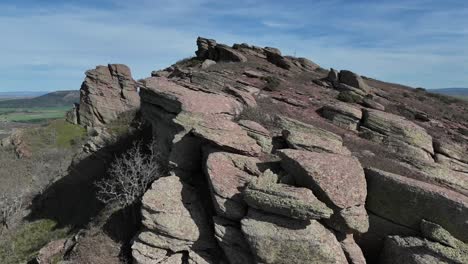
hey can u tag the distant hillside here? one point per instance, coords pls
(54, 99)
(22, 94)
(451, 91)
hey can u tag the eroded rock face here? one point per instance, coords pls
(107, 92)
(275, 239)
(405, 137)
(406, 201)
(209, 49)
(173, 219)
(303, 136)
(342, 114)
(351, 250)
(231, 240)
(228, 174)
(336, 180)
(297, 203)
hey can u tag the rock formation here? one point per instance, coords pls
(107, 92)
(293, 174)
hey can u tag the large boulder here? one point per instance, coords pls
(231, 240)
(335, 179)
(106, 93)
(173, 219)
(298, 203)
(274, 56)
(228, 174)
(415, 250)
(209, 49)
(406, 202)
(333, 76)
(205, 48)
(299, 135)
(343, 115)
(351, 250)
(352, 79)
(279, 240)
(259, 133)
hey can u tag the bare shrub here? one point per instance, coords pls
(9, 206)
(129, 175)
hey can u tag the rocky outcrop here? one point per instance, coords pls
(209, 49)
(259, 133)
(107, 92)
(297, 203)
(275, 239)
(406, 201)
(73, 115)
(336, 180)
(354, 80)
(399, 134)
(431, 249)
(228, 174)
(343, 115)
(299, 135)
(174, 220)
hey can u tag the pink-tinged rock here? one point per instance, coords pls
(220, 132)
(54, 248)
(259, 133)
(337, 180)
(107, 92)
(228, 174)
(351, 250)
(244, 96)
(175, 98)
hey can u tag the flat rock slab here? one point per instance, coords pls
(275, 239)
(219, 131)
(342, 114)
(228, 174)
(175, 98)
(407, 201)
(286, 200)
(299, 135)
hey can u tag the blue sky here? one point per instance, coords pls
(48, 44)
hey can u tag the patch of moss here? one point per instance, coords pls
(57, 133)
(24, 243)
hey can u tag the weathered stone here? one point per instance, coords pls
(372, 241)
(174, 217)
(253, 74)
(437, 233)
(232, 241)
(275, 239)
(259, 133)
(352, 79)
(73, 116)
(350, 89)
(367, 102)
(245, 97)
(228, 174)
(414, 250)
(225, 53)
(219, 131)
(305, 63)
(144, 254)
(107, 92)
(451, 149)
(205, 48)
(451, 163)
(51, 251)
(274, 56)
(407, 201)
(207, 63)
(335, 179)
(282, 199)
(343, 115)
(351, 250)
(300, 135)
(174, 98)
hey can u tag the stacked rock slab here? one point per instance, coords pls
(343, 115)
(400, 135)
(335, 179)
(174, 221)
(299, 135)
(107, 92)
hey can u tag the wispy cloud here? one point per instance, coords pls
(49, 45)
